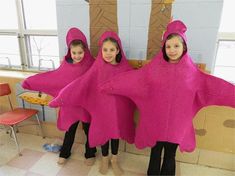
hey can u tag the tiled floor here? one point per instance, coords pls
(37, 162)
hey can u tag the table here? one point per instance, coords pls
(36, 98)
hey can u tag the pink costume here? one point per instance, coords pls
(169, 95)
(52, 82)
(111, 116)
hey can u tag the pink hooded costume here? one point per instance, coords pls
(52, 82)
(111, 116)
(169, 95)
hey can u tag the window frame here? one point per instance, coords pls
(23, 35)
(223, 36)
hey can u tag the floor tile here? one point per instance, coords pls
(46, 165)
(74, 168)
(27, 160)
(11, 171)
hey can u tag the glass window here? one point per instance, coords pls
(8, 14)
(225, 58)
(225, 61)
(43, 52)
(227, 24)
(226, 54)
(40, 14)
(9, 51)
(226, 73)
(34, 25)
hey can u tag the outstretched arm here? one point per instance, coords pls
(74, 94)
(132, 84)
(42, 82)
(215, 91)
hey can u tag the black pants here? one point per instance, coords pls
(114, 147)
(69, 139)
(168, 165)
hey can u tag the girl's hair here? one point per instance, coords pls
(78, 43)
(170, 37)
(119, 55)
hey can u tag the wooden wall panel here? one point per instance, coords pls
(159, 18)
(103, 17)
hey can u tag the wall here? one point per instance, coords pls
(201, 17)
(131, 19)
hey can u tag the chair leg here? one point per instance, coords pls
(15, 139)
(40, 126)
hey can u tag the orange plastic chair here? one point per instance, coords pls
(15, 116)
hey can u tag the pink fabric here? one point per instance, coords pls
(168, 96)
(175, 27)
(52, 82)
(112, 116)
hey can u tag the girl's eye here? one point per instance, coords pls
(111, 49)
(74, 53)
(104, 49)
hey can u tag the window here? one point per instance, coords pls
(42, 51)
(40, 14)
(227, 24)
(28, 35)
(225, 58)
(9, 51)
(8, 9)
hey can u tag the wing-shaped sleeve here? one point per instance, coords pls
(215, 91)
(41, 82)
(74, 94)
(132, 84)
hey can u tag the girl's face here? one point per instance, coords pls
(77, 53)
(174, 49)
(109, 52)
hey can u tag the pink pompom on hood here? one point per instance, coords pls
(52, 82)
(111, 116)
(175, 27)
(168, 96)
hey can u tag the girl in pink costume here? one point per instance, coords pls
(168, 93)
(112, 116)
(76, 62)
